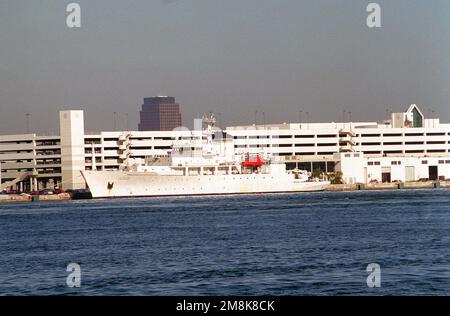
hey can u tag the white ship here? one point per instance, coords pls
(201, 164)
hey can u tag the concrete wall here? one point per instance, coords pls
(352, 167)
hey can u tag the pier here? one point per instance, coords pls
(21, 198)
(416, 185)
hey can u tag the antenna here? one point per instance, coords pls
(209, 119)
(350, 118)
(219, 119)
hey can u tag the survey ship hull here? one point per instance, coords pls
(119, 184)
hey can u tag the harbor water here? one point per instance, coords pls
(285, 244)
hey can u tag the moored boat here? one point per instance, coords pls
(201, 165)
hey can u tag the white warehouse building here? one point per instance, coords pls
(409, 147)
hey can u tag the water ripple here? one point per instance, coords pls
(288, 244)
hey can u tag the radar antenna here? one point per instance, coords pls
(209, 119)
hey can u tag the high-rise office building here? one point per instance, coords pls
(160, 114)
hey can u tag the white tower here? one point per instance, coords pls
(72, 149)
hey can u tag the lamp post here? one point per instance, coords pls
(350, 118)
(28, 122)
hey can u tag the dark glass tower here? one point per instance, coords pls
(160, 114)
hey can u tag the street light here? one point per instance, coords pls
(28, 122)
(350, 118)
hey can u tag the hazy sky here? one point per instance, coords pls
(227, 56)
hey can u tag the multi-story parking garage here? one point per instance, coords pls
(408, 147)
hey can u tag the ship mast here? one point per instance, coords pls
(210, 121)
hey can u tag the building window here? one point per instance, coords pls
(326, 136)
(370, 135)
(436, 150)
(414, 143)
(413, 134)
(424, 162)
(436, 142)
(304, 136)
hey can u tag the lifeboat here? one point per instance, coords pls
(253, 162)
